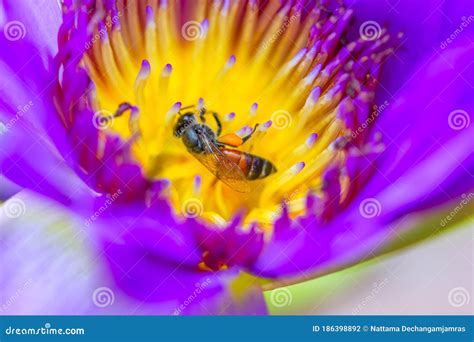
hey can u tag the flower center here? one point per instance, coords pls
(281, 66)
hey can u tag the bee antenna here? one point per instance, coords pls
(187, 107)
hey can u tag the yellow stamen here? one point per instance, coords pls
(232, 63)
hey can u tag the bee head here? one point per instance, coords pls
(183, 123)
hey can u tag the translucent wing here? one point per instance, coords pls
(222, 167)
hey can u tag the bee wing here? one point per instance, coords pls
(222, 167)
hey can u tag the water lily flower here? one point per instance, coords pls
(364, 124)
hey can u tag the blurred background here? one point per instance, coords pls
(434, 277)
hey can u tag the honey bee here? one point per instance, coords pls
(233, 167)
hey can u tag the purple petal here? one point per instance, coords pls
(20, 152)
(39, 22)
(418, 129)
(54, 273)
(426, 24)
(427, 161)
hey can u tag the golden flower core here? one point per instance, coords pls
(279, 63)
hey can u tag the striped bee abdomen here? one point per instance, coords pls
(252, 166)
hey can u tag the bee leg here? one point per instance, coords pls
(218, 122)
(202, 112)
(244, 139)
(180, 112)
